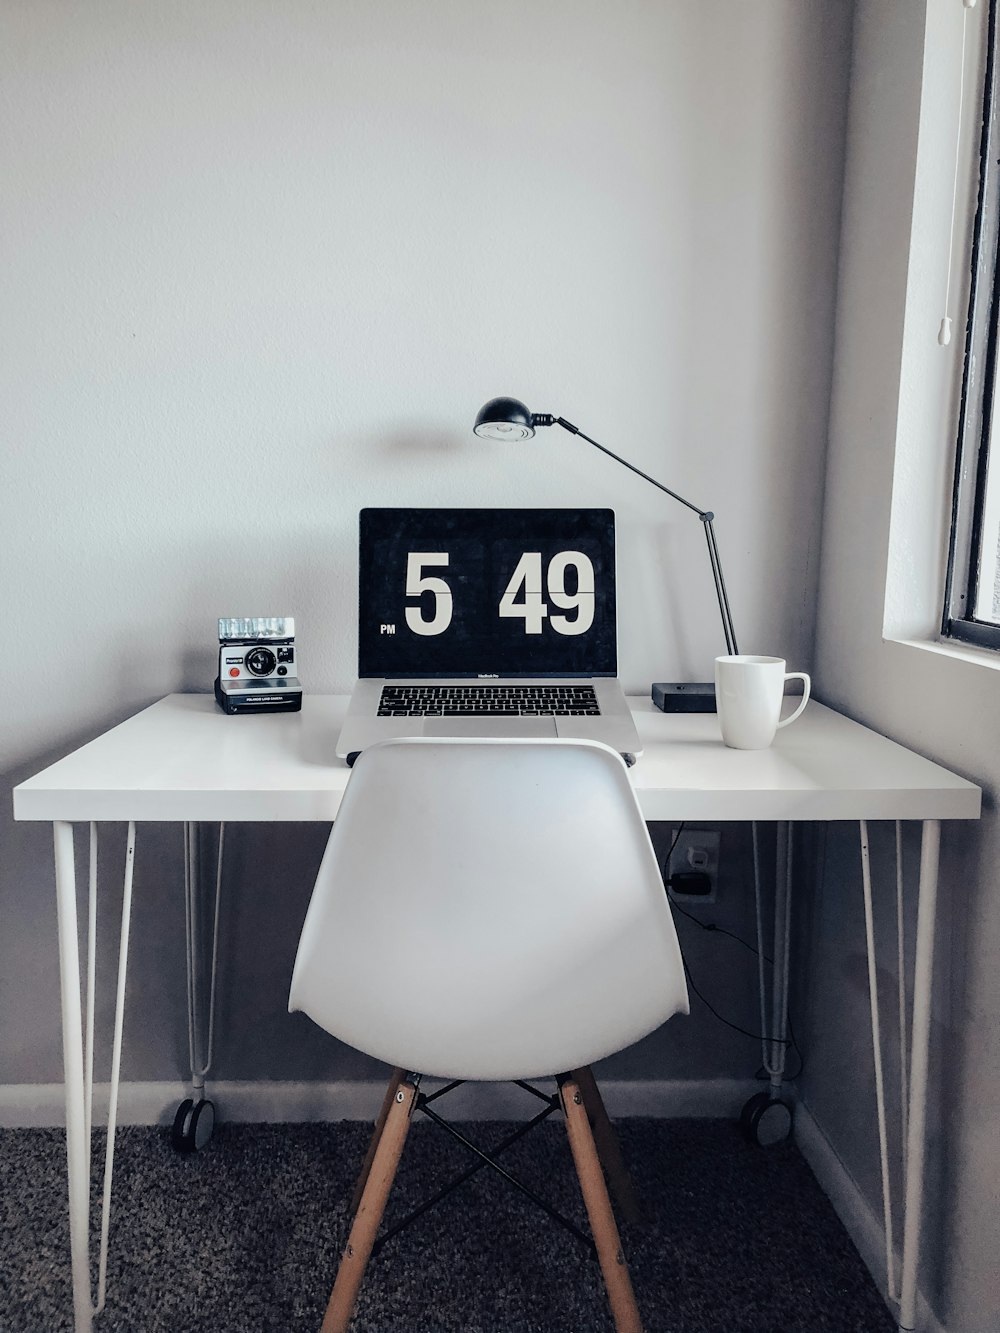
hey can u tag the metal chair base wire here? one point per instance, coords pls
(484, 1159)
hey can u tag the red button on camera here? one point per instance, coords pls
(234, 671)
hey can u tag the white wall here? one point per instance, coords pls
(892, 433)
(263, 263)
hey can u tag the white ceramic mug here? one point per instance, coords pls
(748, 693)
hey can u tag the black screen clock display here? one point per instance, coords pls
(486, 592)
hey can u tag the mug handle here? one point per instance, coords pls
(797, 675)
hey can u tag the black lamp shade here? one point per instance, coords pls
(504, 419)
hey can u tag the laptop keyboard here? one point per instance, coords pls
(488, 701)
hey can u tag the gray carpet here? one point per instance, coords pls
(246, 1236)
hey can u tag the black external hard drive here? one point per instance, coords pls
(684, 696)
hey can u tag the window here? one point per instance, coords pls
(972, 609)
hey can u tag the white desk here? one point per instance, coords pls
(182, 760)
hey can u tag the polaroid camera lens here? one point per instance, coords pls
(260, 661)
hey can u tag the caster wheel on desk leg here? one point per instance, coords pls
(193, 1125)
(766, 1120)
(750, 1109)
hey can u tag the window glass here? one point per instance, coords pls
(972, 605)
(987, 603)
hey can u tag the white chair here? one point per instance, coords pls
(489, 910)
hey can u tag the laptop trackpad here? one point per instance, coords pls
(504, 727)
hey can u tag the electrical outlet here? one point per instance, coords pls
(695, 850)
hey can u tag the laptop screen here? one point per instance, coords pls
(486, 592)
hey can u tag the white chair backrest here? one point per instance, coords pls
(489, 909)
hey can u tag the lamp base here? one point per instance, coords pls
(684, 696)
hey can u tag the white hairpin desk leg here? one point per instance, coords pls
(77, 1147)
(930, 846)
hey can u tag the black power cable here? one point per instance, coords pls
(789, 1041)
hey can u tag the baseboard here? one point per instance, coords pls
(34, 1105)
(862, 1223)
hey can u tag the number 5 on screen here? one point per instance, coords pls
(417, 582)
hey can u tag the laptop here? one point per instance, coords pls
(487, 622)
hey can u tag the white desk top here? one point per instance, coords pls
(183, 759)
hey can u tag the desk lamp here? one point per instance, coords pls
(508, 419)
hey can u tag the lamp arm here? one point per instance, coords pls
(720, 585)
(706, 516)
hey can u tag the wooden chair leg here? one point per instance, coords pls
(390, 1096)
(370, 1209)
(602, 1220)
(608, 1147)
